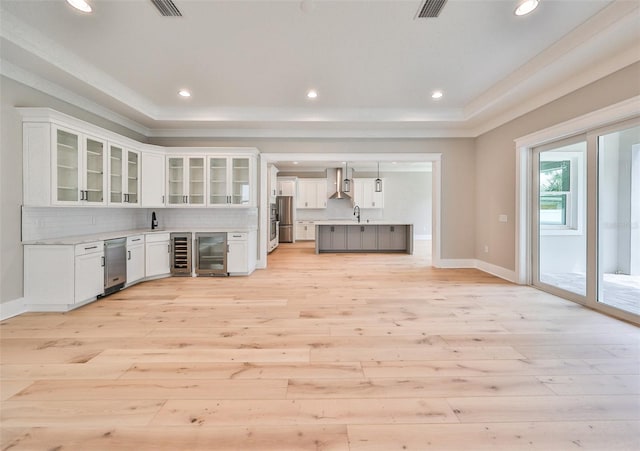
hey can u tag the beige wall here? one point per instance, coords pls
(12, 95)
(496, 159)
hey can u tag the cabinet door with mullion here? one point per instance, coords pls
(132, 182)
(240, 181)
(94, 165)
(66, 173)
(176, 179)
(196, 185)
(116, 175)
(218, 181)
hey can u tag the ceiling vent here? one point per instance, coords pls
(430, 8)
(167, 8)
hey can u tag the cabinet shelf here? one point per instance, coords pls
(92, 171)
(67, 147)
(63, 166)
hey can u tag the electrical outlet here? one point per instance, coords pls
(486, 249)
(502, 218)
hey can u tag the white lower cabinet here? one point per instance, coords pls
(59, 278)
(157, 254)
(135, 259)
(241, 258)
(89, 271)
(305, 230)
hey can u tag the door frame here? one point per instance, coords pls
(434, 158)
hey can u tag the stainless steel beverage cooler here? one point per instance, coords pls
(211, 254)
(181, 254)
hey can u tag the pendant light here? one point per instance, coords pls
(378, 181)
(346, 183)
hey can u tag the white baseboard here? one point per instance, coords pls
(12, 308)
(457, 263)
(497, 271)
(494, 270)
(422, 237)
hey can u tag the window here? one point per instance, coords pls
(555, 192)
(562, 189)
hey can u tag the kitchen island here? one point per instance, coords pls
(350, 236)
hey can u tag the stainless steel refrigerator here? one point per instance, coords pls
(285, 216)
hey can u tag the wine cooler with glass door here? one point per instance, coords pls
(211, 254)
(181, 254)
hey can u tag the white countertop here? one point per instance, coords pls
(355, 222)
(72, 240)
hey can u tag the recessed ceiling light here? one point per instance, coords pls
(525, 7)
(184, 93)
(437, 95)
(295, 162)
(312, 94)
(80, 5)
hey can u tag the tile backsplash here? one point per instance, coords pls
(40, 223)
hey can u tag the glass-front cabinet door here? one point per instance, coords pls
(218, 181)
(67, 167)
(94, 171)
(196, 194)
(176, 180)
(186, 181)
(124, 176)
(240, 181)
(116, 175)
(132, 196)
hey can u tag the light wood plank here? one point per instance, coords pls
(541, 436)
(254, 438)
(244, 370)
(306, 411)
(47, 390)
(80, 413)
(433, 387)
(476, 368)
(593, 384)
(546, 408)
(422, 353)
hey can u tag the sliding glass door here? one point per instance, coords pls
(585, 229)
(560, 239)
(619, 219)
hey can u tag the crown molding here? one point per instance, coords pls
(41, 46)
(38, 83)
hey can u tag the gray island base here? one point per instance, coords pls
(364, 237)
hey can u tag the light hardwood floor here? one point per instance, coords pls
(322, 352)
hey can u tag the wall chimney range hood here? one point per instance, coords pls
(339, 194)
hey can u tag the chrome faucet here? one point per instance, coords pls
(356, 212)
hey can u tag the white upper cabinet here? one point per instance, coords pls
(153, 179)
(70, 162)
(287, 186)
(124, 176)
(186, 181)
(312, 193)
(273, 183)
(231, 181)
(365, 195)
(79, 164)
